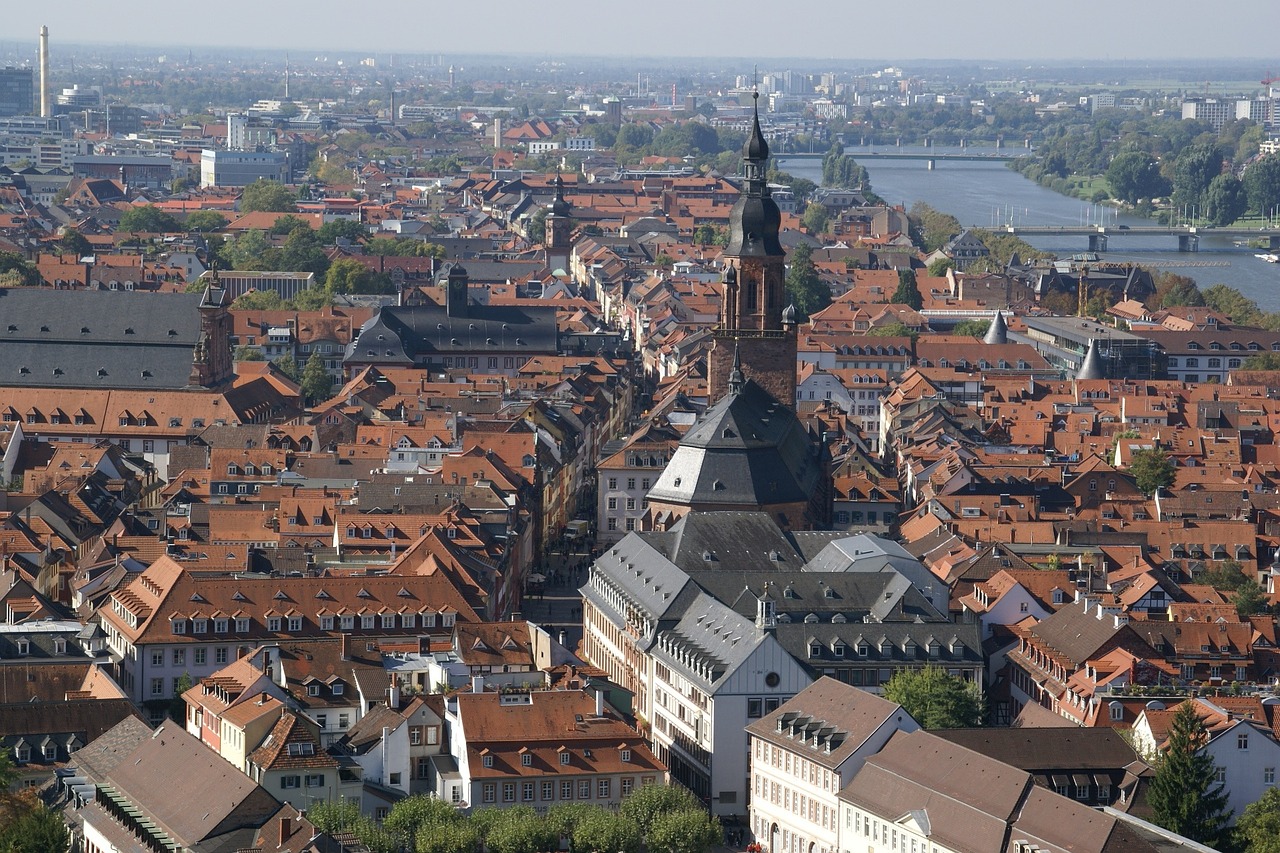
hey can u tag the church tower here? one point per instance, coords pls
(559, 230)
(754, 318)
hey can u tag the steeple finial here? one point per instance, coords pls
(736, 379)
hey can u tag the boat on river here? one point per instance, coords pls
(1269, 257)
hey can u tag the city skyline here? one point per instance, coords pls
(1107, 31)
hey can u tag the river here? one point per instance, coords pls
(992, 194)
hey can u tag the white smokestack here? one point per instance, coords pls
(44, 72)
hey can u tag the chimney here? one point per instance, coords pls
(286, 829)
(600, 702)
(393, 695)
(44, 72)
(477, 684)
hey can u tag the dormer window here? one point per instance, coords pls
(564, 757)
(233, 469)
(179, 626)
(526, 760)
(626, 755)
(837, 649)
(487, 761)
(815, 650)
(337, 688)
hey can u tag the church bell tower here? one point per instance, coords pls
(754, 317)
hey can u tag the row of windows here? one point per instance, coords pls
(631, 484)
(295, 624)
(546, 791)
(805, 806)
(1211, 363)
(315, 780)
(199, 655)
(631, 502)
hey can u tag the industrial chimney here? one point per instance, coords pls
(44, 72)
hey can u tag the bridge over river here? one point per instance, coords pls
(1188, 236)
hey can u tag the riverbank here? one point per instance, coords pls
(990, 195)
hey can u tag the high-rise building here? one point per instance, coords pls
(17, 92)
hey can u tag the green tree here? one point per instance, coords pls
(412, 813)
(301, 252)
(805, 288)
(1250, 599)
(907, 293)
(1134, 175)
(972, 328)
(663, 261)
(1152, 469)
(350, 276)
(896, 329)
(1262, 184)
(604, 831)
(460, 836)
(287, 223)
(536, 227)
(315, 381)
(269, 196)
(1224, 200)
(1242, 310)
(649, 802)
(73, 242)
(936, 699)
(178, 705)
(704, 235)
(311, 299)
(521, 830)
(1227, 575)
(36, 830)
(147, 219)
(334, 817)
(1262, 361)
(287, 365)
(930, 228)
(1194, 169)
(205, 221)
(1259, 826)
(684, 831)
(1183, 795)
(814, 219)
(247, 250)
(248, 353)
(347, 229)
(16, 272)
(938, 267)
(1173, 290)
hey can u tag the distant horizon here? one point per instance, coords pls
(1091, 31)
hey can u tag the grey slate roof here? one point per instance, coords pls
(405, 334)
(748, 450)
(123, 333)
(843, 715)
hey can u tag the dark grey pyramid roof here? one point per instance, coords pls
(749, 450)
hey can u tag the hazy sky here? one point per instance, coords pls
(840, 29)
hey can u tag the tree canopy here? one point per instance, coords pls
(269, 196)
(1184, 795)
(1152, 469)
(148, 219)
(204, 221)
(936, 699)
(804, 287)
(907, 293)
(1134, 175)
(1259, 826)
